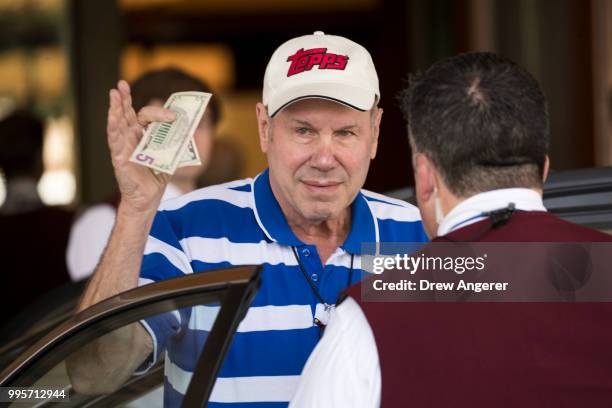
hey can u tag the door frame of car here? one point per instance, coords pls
(234, 288)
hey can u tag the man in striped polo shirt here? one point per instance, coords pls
(304, 218)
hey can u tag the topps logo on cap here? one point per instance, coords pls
(304, 60)
(320, 66)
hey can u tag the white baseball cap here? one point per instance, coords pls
(320, 66)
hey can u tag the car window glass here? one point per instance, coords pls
(99, 371)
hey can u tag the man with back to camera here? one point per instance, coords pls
(304, 219)
(478, 126)
(24, 218)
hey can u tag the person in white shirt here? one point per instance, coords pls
(344, 370)
(90, 232)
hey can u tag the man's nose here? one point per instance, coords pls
(324, 156)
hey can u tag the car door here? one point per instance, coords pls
(221, 296)
(582, 196)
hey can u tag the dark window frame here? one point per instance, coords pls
(234, 288)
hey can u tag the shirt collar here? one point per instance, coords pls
(363, 226)
(272, 221)
(470, 210)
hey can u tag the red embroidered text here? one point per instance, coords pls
(304, 60)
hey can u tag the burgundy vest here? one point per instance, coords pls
(474, 354)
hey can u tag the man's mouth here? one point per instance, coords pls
(321, 186)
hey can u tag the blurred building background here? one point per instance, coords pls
(60, 58)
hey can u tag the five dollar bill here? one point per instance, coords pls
(164, 146)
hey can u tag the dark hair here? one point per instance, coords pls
(21, 141)
(162, 83)
(482, 120)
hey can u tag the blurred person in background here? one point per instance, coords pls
(28, 227)
(21, 161)
(91, 230)
(225, 165)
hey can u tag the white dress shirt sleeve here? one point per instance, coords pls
(88, 238)
(343, 370)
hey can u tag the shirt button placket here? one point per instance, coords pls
(314, 277)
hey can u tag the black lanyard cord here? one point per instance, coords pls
(497, 218)
(313, 287)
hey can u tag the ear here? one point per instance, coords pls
(424, 177)
(263, 126)
(546, 169)
(376, 132)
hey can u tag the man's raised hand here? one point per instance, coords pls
(141, 190)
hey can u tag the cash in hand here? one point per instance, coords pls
(164, 147)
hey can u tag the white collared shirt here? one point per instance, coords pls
(344, 370)
(89, 235)
(471, 209)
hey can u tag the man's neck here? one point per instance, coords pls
(21, 196)
(326, 235)
(335, 229)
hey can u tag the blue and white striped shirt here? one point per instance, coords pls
(241, 223)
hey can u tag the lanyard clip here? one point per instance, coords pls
(501, 216)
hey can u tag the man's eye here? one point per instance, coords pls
(345, 133)
(302, 131)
